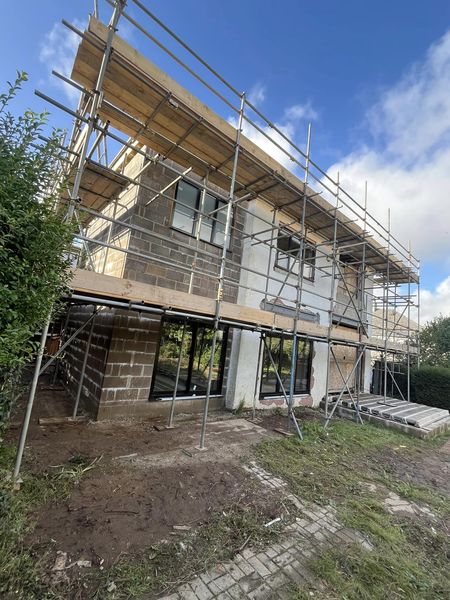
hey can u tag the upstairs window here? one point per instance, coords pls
(187, 218)
(288, 254)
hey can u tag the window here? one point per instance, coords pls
(186, 216)
(195, 358)
(288, 251)
(281, 351)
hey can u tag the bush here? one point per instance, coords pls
(34, 240)
(431, 386)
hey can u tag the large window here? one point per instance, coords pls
(195, 359)
(186, 215)
(281, 351)
(288, 253)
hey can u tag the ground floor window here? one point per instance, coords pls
(195, 358)
(281, 350)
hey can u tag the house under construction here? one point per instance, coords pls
(206, 274)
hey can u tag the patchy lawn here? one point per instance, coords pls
(93, 526)
(355, 468)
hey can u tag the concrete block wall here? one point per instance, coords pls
(109, 260)
(129, 365)
(71, 364)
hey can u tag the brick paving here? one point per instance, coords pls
(273, 572)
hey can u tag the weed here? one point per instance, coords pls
(240, 409)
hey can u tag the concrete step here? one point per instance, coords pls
(424, 420)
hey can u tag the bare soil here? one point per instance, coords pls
(425, 467)
(123, 509)
(149, 479)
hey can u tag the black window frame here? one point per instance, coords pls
(214, 218)
(278, 392)
(188, 393)
(286, 255)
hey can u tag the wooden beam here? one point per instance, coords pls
(100, 285)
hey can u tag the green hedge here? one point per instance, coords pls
(431, 386)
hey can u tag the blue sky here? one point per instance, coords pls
(373, 77)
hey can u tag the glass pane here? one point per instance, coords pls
(207, 223)
(184, 216)
(169, 350)
(221, 219)
(269, 384)
(287, 254)
(282, 259)
(309, 262)
(285, 364)
(294, 246)
(302, 371)
(202, 357)
(283, 242)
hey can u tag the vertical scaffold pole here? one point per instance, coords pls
(387, 288)
(97, 98)
(299, 289)
(26, 420)
(330, 310)
(408, 339)
(257, 378)
(177, 379)
(360, 379)
(418, 315)
(83, 368)
(221, 277)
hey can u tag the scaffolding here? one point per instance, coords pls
(127, 103)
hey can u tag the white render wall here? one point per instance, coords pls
(245, 370)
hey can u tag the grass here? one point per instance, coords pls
(409, 559)
(20, 572)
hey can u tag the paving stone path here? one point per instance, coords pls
(272, 573)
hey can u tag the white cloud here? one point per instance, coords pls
(58, 51)
(257, 94)
(300, 111)
(407, 165)
(270, 145)
(435, 302)
(290, 125)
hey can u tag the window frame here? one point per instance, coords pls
(292, 258)
(278, 392)
(188, 393)
(196, 219)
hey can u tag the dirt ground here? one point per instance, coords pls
(149, 480)
(430, 469)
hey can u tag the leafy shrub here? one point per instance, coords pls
(34, 240)
(431, 386)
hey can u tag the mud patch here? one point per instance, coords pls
(117, 510)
